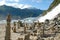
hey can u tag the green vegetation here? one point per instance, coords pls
(44, 12)
(53, 4)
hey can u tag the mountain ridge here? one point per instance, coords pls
(17, 12)
(53, 5)
(52, 12)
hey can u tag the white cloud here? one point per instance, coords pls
(13, 0)
(26, 6)
(38, 1)
(16, 4)
(16, 0)
(2, 2)
(12, 4)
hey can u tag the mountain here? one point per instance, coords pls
(52, 11)
(53, 4)
(17, 12)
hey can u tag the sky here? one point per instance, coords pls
(39, 4)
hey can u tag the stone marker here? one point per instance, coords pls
(8, 28)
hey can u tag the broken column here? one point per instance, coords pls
(8, 28)
(25, 28)
(42, 30)
(27, 37)
(14, 28)
(19, 24)
(20, 39)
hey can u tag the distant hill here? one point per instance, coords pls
(17, 12)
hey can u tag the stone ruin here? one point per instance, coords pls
(37, 31)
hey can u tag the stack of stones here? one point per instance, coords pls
(8, 28)
(27, 37)
(14, 28)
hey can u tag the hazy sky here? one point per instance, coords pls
(40, 4)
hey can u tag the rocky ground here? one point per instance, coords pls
(15, 36)
(2, 31)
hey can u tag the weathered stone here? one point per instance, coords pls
(27, 37)
(14, 28)
(8, 28)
